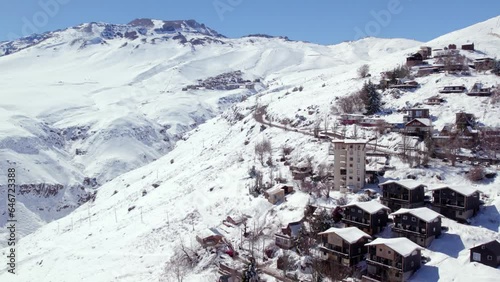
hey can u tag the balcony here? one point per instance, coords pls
(408, 231)
(387, 263)
(335, 249)
(357, 221)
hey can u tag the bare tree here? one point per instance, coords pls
(263, 147)
(476, 174)
(316, 128)
(363, 71)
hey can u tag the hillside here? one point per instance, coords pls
(113, 100)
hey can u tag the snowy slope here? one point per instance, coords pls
(204, 177)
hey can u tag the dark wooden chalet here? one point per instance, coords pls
(371, 217)
(412, 114)
(418, 127)
(414, 60)
(484, 64)
(391, 260)
(420, 225)
(344, 246)
(469, 47)
(405, 193)
(453, 89)
(479, 90)
(487, 254)
(456, 202)
(434, 100)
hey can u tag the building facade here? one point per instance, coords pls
(405, 193)
(457, 202)
(392, 260)
(420, 225)
(344, 246)
(371, 217)
(349, 164)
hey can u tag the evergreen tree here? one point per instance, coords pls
(371, 98)
(496, 67)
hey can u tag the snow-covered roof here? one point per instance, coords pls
(275, 190)
(402, 246)
(409, 184)
(424, 121)
(205, 233)
(462, 189)
(424, 213)
(369, 207)
(351, 141)
(350, 234)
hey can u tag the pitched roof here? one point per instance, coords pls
(369, 207)
(409, 184)
(350, 234)
(461, 189)
(494, 246)
(402, 246)
(424, 213)
(424, 121)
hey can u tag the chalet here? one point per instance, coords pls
(426, 51)
(427, 70)
(347, 119)
(405, 193)
(286, 239)
(301, 172)
(469, 47)
(210, 238)
(235, 220)
(392, 260)
(484, 64)
(418, 127)
(434, 100)
(457, 202)
(453, 89)
(405, 84)
(412, 114)
(275, 195)
(420, 225)
(371, 217)
(414, 60)
(345, 246)
(452, 46)
(464, 120)
(288, 189)
(487, 254)
(479, 90)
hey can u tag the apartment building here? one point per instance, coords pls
(349, 164)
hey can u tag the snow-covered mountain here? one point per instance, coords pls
(89, 103)
(173, 163)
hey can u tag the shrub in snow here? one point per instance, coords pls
(476, 174)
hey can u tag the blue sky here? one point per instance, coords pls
(320, 21)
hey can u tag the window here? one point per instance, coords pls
(359, 179)
(433, 229)
(380, 249)
(389, 252)
(350, 165)
(483, 247)
(413, 219)
(359, 250)
(489, 257)
(476, 256)
(360, 211)
(405, 217)
(351, 159)
(412, 264)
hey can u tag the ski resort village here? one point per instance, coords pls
(369, 160)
